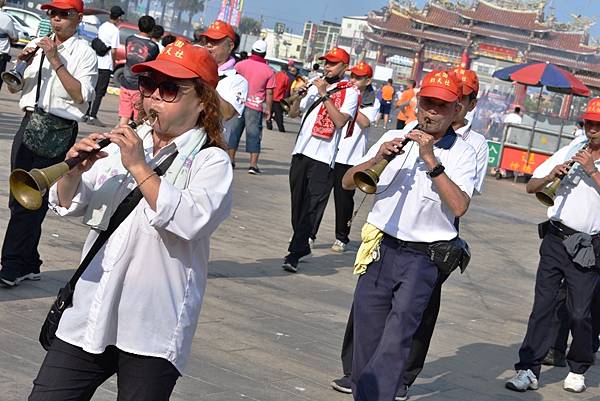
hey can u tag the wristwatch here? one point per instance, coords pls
(437, 170)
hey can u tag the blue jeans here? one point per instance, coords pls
(252, 121)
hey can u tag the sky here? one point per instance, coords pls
(294, 13)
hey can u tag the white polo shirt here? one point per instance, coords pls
(323, 150)
(233, 88)
(352, 148)
(575, 206)
(407, 205)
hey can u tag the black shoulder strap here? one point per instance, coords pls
(123, 210)
(39, 82)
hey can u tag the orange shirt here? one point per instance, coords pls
(408, 113)
(387, 92)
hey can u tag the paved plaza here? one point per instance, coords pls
(267, 335)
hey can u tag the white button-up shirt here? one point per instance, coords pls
(575, 205)
(143, 290)
(352, 148)
(320, 149)
(407, 205)
(81, 62)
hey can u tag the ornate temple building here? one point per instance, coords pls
(488, 33)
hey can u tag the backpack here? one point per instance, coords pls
(100, 48)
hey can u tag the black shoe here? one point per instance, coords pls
(402, 394)
(269, 125)
(343, 385)
(554, 358)
(290, 263)
(254, 170)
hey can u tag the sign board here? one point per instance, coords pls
(516, 160)
(494, 153)
(382, 73)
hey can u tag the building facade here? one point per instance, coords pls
(318, 38)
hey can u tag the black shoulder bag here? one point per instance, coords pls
(64, 298)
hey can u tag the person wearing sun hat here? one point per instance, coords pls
(568, 252)
(135, 309)
(419, 195)
(219, 40)
(350, 150)
(67, 67)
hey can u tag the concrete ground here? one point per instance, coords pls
(268, 335)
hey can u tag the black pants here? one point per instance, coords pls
(559, 333)
(310, 181)
(19, 250)
(277, 115)
(420, 341)
(68, 373)
(101, 86)
(4, 59)
(344, 205)
(556, 265)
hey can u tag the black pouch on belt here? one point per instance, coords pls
(543, 228)
(448, 255)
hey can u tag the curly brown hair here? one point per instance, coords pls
(210, 118)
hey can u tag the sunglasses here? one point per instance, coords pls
(166, 89)
(55, 12)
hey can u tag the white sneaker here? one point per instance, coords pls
(338, 246)
(523, 380)
(574, 383)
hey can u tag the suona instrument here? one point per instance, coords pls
(29, 187)
(548, 193)
(287, 102)
(367, 180)
(14, 78)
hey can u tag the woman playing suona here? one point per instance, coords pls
(136, 306)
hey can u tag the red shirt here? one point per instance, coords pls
(282, 83)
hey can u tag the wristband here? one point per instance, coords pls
(59, 67)
(437, 170)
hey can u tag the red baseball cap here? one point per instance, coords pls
(441, 85)
(362, 69)
(336, 55)
(470, 82)
(219, 30)
(184, 61)
(64, 5)
(592, 112)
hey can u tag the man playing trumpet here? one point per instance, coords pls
(419, 196)
(570, 251)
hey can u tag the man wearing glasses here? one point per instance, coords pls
(219, 40)
(59, 81)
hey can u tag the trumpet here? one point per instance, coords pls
(14, 78)
(29, 187)
(286, 103)
(548, 193)
(367, 180)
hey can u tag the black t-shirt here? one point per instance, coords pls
(138, 49)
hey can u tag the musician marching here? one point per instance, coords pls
(351, 149)
(330, 103)
(570, 251)
(419, 196)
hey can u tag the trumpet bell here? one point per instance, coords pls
(367, 180)
(12, 79)
(546, 197)
(29, 187)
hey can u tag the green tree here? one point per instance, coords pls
(249, 26)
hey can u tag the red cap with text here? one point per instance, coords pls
(592, 112)
(362, 69)
(441, 85)
(336, 55)
(184, 61)
(219, 30)
(64, 5)
(470, 82)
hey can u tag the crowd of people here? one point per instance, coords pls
(162, 185)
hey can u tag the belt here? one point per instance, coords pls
(562, 231)
(422, 247)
